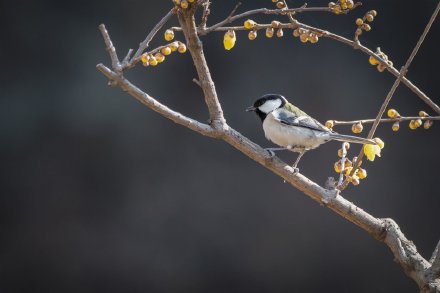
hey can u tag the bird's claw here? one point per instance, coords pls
(271, 153)
(295, 170)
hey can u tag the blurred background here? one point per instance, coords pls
(101, 194)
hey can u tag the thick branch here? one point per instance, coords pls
(385, 230)
(187, 21)
(153, 104)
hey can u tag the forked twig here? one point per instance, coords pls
(387, 100)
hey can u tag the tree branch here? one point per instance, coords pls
(384, 120)
(386, 230)
(153, 104)
(187, 21)
(390, 94)
(110, 49)
(150, 36)
(327, 34)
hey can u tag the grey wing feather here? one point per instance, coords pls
(302, 121)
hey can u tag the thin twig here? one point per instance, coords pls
(152, 52)
(116, 65)
(153, 104)
(230, 18)
(197, 82)
(327, 34)
(150, 36)
(384, 120)
(343, 159)
(387, 100)
(206, 12)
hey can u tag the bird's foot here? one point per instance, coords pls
(295, 170)
(271, 153)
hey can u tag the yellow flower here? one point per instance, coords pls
(229, 39)
(249, 24)
(169, 35)
(379, 142)
(371, 151)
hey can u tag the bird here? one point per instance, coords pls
(292, 129)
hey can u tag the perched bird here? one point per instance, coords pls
(292, 129)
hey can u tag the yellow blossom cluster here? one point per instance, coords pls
(158, 56)
(380, 66)
(340, 6)
(183, 3)
(413, 124)
(362, 23)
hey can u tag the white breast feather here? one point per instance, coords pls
(292, 136)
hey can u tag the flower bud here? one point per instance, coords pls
(269, 32)
(329, 124)
(159, 57)
(373, 61)
(252, 35)
(338, 166)
(423, 114)
(392, 113)
(361, 173)
(166, 51)
(181, 48)
(280, 33)
(229, 39)
(427, 124)
(275, 23)
(249, 24)
(174, 46)
(169, 35)
(395, 126)
(280, 5)
(313, 38)
(184, 4)
(357, 127)
(369, 17)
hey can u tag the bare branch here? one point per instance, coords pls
(231, 18)
(206, 12)
(187, 21)
(434, 270)
(127, 58)
(405, 252)
(110, 49)
(153, 104)
(144, 45)
(424, 273)
(387, 100)
(435, 253)
(327, 34)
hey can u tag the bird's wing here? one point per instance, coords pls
(290, 119)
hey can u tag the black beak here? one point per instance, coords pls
(251, 109)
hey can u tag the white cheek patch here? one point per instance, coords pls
(270, 105)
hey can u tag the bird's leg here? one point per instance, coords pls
(272, 151)
(297, 160)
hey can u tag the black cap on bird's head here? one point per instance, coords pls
(267, 104)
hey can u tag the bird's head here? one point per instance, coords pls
(266, 104)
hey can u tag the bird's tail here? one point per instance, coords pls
(350, 138)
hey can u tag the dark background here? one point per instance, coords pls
(100, 194)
